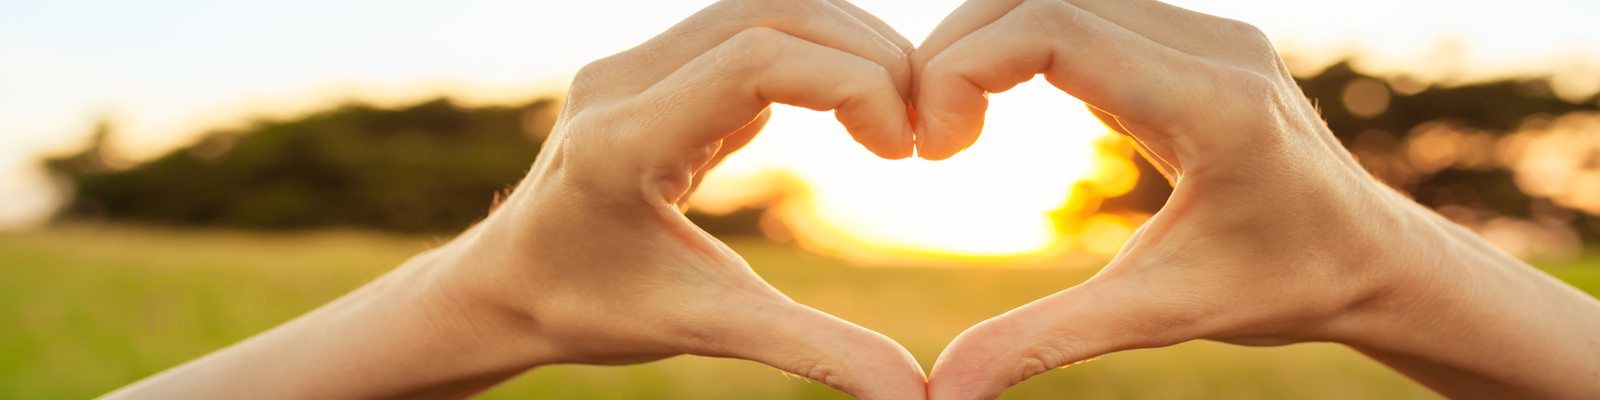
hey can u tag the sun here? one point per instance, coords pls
(994, 200)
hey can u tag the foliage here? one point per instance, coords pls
(1384, 138)
(431, 166)
(436, 166)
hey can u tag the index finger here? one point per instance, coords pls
(818, 21)
(877, 24)
(724, 89)
(1103, 64)
(1171, 26)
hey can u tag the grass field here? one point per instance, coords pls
(84, 310)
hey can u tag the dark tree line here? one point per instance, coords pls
(431, 166)
(428, 167)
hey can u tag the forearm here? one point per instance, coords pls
(1473, 322)
(411, 333)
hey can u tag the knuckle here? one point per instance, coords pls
(1049, 16)
(752, 49)
(1260, 93)
(589, 78)
(1032, 350)
(772, 10)
(1254, 40)
(585, 157)
(944, 68)
(1243, 31)
(1248, 45)
(935, 67)
(588, 72)
(758, 35)
(594, 69)
(819, 371)
(1166, 102)
(801, 7)
(1037, 360)
(1251, 101)
(589, 129)
(872, 77)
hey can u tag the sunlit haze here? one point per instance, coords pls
(166, 71)
(996, 199)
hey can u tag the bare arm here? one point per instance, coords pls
(590, 260)
(1481, 324)
(1273, 235)
(411, 333)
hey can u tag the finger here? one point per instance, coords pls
(1188, 31)
(729, 145)
(738, 140)
(1096, 318)
(723, 90)
(812, 344)
(1096, 61)
(967, 18)
(818, 21)
(1185, 30)
(1162, 164)
(877, 24)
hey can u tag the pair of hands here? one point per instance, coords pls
(1255, 245)
(1273, 235)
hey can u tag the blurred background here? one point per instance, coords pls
(177, 175)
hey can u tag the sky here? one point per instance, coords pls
(167, 70)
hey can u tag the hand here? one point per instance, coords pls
(1273, 235)
(589, 260)
(592, 247)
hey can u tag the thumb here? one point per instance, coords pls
(1101, 316)
(804, 341)
(730, 144)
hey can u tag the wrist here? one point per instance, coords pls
(468, 287)
(1424, 273)
(1467, 312)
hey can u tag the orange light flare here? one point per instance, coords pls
(1026, 193)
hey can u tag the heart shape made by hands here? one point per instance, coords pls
(1206, 99)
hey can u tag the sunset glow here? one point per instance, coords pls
(994, 200)
(139, 66)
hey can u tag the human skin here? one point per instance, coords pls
(590, 259)
(1274, 234)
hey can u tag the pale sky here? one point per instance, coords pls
(165, 70)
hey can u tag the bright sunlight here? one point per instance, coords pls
(996, 200)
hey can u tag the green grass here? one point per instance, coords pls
(84, 310)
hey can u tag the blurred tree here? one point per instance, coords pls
(1438, 143)
(432, 166)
